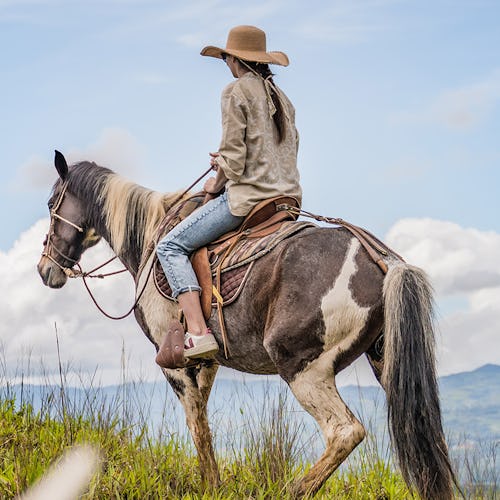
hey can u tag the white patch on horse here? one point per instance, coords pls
(343, 317)
(315, 388)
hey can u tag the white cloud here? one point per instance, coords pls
(115, 148)
(459, 108)
(463, 265)
(459, 260)
(154, 78)
(198, 22)
(193, 40)
(32, 313)
(34, 173)
(217, 18)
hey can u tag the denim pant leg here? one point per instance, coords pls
(201, 227)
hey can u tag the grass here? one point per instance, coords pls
(137, 466)
(261, 458)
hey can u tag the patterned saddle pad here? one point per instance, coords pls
(237, 266)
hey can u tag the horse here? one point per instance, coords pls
(309, 308)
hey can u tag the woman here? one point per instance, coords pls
(256, 160)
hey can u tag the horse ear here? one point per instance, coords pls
(61, 165)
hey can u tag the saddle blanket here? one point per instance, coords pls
(238, 264)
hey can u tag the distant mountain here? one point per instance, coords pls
(470, 404)
(470, 401)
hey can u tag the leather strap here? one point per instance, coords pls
(262, 229)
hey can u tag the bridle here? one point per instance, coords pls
(49, 244)
(70, 272)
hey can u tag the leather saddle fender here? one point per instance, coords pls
(259, 215)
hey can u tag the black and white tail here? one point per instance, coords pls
(410, 381)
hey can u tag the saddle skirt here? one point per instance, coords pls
(230, 259)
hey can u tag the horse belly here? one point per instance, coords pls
(245, 335)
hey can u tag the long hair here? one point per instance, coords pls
(279, 117)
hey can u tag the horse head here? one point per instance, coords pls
(70, 231)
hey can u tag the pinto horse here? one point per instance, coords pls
(309, 308)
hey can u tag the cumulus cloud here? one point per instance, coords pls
(459, 108)
(464, 268)
(459, 260)
(462, 264)
(115, 148)
(32, 315)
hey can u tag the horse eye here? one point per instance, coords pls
(50, 204)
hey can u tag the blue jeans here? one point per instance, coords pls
(201, 227)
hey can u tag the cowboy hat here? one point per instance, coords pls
(247, 43)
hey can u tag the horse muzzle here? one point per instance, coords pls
(52, 276)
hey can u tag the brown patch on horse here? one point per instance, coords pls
(294, 316)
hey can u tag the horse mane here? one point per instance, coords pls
(130, 212)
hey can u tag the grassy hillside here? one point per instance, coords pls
(264, 443)
(138, 465)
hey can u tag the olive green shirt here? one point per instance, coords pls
(256, 165)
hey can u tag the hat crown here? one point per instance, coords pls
(247, 38)
(247, 43)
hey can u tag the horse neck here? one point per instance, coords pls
(131, 217)
(123, 213)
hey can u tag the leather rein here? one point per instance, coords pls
(70, 272)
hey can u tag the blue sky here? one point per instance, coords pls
(398, 109)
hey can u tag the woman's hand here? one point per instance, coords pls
(210, 186)
(213, 161)
(215, 185)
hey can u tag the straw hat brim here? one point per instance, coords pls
(274, 57)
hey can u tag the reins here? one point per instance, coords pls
(373, 246)
(84, 277)
(70, 272)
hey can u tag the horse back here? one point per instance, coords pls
(315, 290)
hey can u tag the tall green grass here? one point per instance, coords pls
(260, 459)
(139, 465)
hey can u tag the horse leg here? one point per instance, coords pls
(192, 386)
(316, 391)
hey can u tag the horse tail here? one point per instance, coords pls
(410, 381)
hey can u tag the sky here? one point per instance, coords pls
(398, 110)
